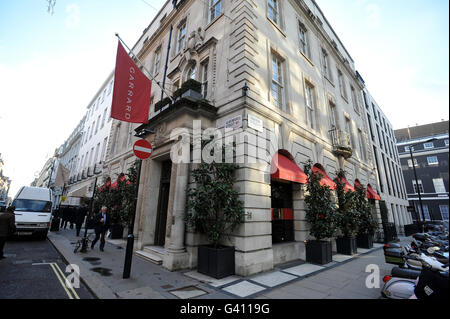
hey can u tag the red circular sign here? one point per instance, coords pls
(142, 149)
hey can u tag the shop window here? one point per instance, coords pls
(282, 213)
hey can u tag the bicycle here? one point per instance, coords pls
(79, 244)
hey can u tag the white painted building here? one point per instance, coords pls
(93, 143)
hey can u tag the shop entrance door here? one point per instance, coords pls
(161, 217)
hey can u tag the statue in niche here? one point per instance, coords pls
(195, 40)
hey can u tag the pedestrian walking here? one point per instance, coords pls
(7, 227)
(102, 222)
(81, 214)
(64, 213)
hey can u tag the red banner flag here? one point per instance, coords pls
(131, 97)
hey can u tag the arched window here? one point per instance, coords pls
(191, 72)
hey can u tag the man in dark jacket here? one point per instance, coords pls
(81, 214)
(102, 223)
(7, 227)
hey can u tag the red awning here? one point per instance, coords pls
(358, 185)
(116, 183)
(287, 170)
(326, 180)
(371, 194)
(347, 186)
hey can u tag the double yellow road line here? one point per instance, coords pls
(62, 280)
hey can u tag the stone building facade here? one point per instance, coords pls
(274, 70)
(390, 178)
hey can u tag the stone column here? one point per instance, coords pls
(176, 257)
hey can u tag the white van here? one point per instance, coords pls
(33, 211)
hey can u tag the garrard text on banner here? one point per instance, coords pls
(132, 89)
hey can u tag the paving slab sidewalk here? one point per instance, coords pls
(102, 273)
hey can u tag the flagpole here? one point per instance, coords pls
(143, 66)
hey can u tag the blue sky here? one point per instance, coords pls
(52, 65)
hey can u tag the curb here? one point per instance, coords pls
(95, 286)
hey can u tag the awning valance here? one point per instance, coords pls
(287, 170)
(347, 186)
(371, 194)
(326, 180)
(80, 192)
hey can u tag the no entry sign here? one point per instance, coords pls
(142, 149)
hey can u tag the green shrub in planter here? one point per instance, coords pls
(159, 105)
(214, 209)
(192, 85)
(348, 217)
(367, 223)
(321, 216)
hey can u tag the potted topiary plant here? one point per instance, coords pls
(214, 209)
(348, 218)
(321, 216)
(367, 223)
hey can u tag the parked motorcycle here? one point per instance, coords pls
(431, 282)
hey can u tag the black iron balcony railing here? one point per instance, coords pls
(341, 143)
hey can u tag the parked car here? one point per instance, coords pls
(33, 211)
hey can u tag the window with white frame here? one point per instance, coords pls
(355, 99)
(157, 61)
(415, 163)
(303, 39)
(104, 118)
(205, 78)
(326, 65)
(310, 97)
(426, 212)
(191, 73)
(274, 10)
(408, 148)
(439, 186)
(419, 182)
(428, 146)
(432, 160)
(277, 81)
(215, 9)
(105, 142)
(332, 115)
(348, 129)
(446, 142)
(98, 123)
(342, 84)
(181, 38)
(97, 149)
(444, 211)
(362, 149)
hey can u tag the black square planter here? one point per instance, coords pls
(346, 245)
(364, 241)
(116, 231)
(216, 262)
(318, 252)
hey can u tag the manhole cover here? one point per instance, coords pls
(102, 271)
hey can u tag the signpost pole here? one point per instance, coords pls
(143, 150)
(130, 239)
